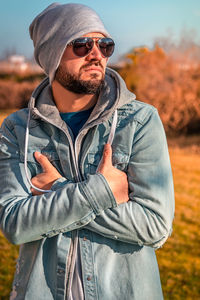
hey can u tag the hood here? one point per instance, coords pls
(113, 96)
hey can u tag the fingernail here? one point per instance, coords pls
(37, 153)
(107, 147)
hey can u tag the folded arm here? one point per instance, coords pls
(146, 219)
(25, 217)
(144, 216)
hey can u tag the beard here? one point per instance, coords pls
(74, 84)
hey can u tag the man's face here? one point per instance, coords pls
(82, 75)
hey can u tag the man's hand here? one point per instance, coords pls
(116, 179)
(45, 179)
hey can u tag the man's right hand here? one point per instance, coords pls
(116, 179)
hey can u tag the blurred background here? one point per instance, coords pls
(158, 55)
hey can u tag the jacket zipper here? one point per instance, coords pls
(75, 232)
(71, 263)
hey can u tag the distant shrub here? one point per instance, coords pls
(16, 88)
(21, 77)
(14, 94)
(171, 85)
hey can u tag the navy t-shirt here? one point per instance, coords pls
(76, 120)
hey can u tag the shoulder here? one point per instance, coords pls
(127, 104)
(137, 111)
(18, 118)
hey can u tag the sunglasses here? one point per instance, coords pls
(83, 46)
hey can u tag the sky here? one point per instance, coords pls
(132, 23)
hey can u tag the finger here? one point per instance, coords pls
(107, 155)
(43, 161)
(36, 181)
(34, 192)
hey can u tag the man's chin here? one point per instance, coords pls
(92, 76)
(86, 83)
(91, 86)
(92, 82)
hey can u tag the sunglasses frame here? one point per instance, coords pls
(95, 40)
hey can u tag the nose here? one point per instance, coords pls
(95, 53)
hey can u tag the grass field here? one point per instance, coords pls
(179, 258)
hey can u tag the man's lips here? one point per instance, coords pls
(95, 69)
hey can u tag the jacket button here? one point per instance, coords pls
(79, 224)
(89, 278)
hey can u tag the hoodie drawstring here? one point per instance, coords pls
(25, 156)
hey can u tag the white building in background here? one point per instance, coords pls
(18, 64)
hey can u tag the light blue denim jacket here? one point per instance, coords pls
(117, 242)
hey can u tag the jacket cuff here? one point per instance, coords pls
(59, 183)
(98, 193)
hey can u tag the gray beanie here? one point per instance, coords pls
(57, 26)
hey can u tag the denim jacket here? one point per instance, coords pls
(117, 242)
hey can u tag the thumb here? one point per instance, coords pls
(43, 161)
(107, 155)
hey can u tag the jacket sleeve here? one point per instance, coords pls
(146, 219)
(24, 218)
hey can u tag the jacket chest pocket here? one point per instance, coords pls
(120, 161)
(34, 167)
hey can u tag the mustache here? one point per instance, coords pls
(92, 63)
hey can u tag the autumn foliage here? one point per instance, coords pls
(14, 94)
(16, 89)
(171, 84)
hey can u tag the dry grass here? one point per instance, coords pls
(8, 256)
(179, 259)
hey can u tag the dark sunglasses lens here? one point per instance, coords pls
(82, 46)
(106, 46)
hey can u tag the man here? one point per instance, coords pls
(88, 216)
